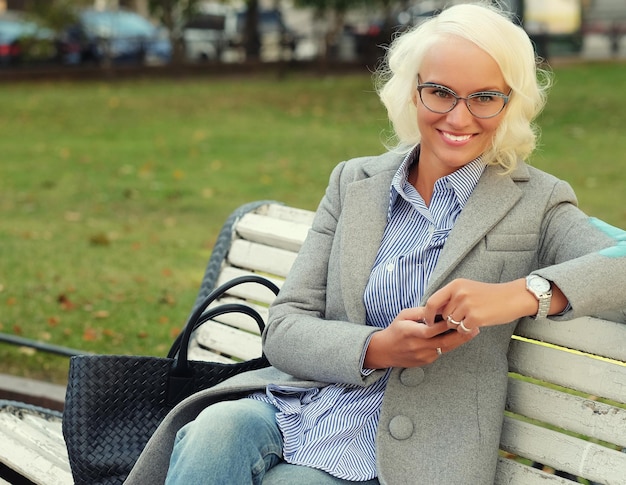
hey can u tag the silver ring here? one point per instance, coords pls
(463, 327)
(453, 321)
(439, 352)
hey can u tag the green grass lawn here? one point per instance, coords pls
(111, 194)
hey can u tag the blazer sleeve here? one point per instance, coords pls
(583, 256)
(300, 339)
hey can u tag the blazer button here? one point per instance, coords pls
(412, 377)
(401, 427)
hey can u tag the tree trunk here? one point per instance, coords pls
(167, 8)
(252, 39)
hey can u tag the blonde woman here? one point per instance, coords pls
(388, 341)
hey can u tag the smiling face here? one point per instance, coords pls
(451, 140)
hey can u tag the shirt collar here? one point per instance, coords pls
(461, 181)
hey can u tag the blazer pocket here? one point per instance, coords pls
(512, 242)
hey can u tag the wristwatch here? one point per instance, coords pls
(542, 290)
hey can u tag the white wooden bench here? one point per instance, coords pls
(566, 406)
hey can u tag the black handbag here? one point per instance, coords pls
(114, 403)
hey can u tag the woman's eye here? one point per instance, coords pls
(484, 98)
(441, 93)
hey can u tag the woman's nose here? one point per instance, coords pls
(460, 115)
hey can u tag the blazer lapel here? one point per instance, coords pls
(492, 198)
(364, 217)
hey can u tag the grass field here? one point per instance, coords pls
(111, 194)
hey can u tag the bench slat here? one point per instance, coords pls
(33, 446)
(573, 413)
(203, 355)
(228, 340)
(272, 232)
(248, 291)
(608, 337)
(568, 369)
(511, 472)
(563, 452)
(287, 213)
(261, 258)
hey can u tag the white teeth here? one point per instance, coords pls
(456, 138)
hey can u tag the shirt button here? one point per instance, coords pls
(390, 267)
(401, 427)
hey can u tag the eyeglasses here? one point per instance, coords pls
(441, 99)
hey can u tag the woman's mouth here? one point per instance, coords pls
(455, 138)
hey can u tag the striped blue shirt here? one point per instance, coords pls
(334, 428)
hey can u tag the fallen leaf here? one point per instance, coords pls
(100, 239)
(54, 321)
(90, 335)
(65, 302)
(167, 299)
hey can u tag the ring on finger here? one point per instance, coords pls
(453, 321)
(463, 327)
(439, 351)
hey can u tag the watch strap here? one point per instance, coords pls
(544, 306)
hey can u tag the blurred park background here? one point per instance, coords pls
(215, 33)
(114, 183)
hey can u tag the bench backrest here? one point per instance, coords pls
(566, 406)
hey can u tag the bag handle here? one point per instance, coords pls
(181, 344)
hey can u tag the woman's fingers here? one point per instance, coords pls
(467, 304)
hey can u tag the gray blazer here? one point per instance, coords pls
(440, 424)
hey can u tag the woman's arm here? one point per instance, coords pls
(303, 337)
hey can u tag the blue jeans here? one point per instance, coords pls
(238, 443)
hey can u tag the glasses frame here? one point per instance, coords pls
(456, 97)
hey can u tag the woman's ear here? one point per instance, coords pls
(414, 98)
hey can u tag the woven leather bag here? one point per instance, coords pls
(114, 403)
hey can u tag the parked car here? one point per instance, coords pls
(206, 34)
(217, 33)
(23, 40)
(120, 36)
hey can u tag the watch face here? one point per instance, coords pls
(539, 284)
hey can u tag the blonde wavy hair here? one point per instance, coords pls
(491, 29)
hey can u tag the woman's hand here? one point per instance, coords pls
(415, 339)
(467, 304)
(409, 342)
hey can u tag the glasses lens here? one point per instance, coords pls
(442, 100)
(485, 105)
(437, 99)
